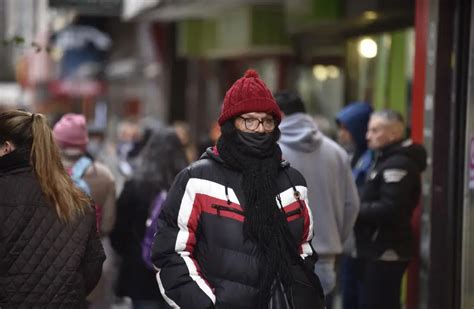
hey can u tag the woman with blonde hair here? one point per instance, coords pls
(50, 253)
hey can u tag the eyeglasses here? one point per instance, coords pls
(253, 123)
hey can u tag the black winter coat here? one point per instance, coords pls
(202, 258)
(135, 279)
(388, 198)
(43, 262)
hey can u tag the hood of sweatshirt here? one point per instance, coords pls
(300, 132)
(355, 117)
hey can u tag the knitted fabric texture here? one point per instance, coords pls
(71, 131)
(248, 94)
(265, 224)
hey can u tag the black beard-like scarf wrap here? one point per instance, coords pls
(265, 224)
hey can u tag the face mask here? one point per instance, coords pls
(257, 141)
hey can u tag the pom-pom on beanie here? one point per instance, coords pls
(248, 94)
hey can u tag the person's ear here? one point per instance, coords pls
(7, 147)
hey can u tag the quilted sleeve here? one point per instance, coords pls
(94, 256)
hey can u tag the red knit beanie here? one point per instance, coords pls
(71, 131)
(248, 94)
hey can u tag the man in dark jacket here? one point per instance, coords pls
(384, 238)
(236, 229)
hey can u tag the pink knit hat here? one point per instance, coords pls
(71, 131)
(248, 94)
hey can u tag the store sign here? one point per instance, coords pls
(71, 88)
(91, 7)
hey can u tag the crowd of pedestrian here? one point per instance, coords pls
(272, 214)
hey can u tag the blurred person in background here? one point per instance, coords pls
(71, 135)
(236, 228)
(326, 126)
(160, 161)
(115, 152)
(51, 255)
(384, 237)
(210, 139)
(352, 122)
(331, 188)
(146, 126)
(97, 142)
(184, 134)
(127, 137)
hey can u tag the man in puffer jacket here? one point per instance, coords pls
(384, 238)
(236, 229)
(326, 168)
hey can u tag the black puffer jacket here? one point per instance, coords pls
(389, 196)
(200, 251)
(43, 262)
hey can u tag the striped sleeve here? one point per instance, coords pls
(306, 248)
(178, 274)
(290, 202)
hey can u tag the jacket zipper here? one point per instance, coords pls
(225, 208)
(220, 208)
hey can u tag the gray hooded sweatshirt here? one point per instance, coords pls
(332, 193)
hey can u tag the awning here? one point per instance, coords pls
(132, 8)
(173, 10)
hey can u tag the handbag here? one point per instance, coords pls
(306, 291)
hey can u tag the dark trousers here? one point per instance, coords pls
(376, 284)
(351, 285)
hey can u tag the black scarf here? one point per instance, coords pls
(265, 224)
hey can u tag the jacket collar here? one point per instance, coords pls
(16, 160)
(213, 153)
(391, 148)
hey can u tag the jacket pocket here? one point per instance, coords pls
(221, 208)
(295, 212)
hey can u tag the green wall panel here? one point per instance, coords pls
(302, 13)
(381, 72)
(397, 83)
(246, 30)
(195, 37)
(326, 9)
(268, 26)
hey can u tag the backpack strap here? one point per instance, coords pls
(77, 172)
(80, 167)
